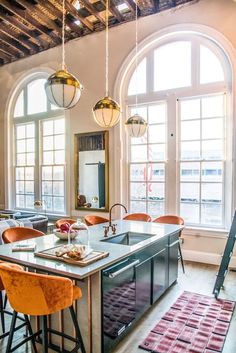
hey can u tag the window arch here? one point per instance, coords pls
(38, 134)
(183, 162)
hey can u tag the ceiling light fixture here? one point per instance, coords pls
(106, 111)
(136, 126)
(62, 88)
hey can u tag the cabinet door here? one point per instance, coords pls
(160, 273)
(143, 287)
(173, 258)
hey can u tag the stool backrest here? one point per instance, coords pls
(10, 235)
(36, 294)
(92, 220)
(170, 219)
(61, 221)
(138, 217)
(17, 267)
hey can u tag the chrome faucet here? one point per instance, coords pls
(112, 226)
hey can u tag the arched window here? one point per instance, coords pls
(39, 150)
(183, 162)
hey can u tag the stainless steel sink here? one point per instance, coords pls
(129, 238)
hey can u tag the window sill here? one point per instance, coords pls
(205, 232)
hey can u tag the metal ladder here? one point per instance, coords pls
(228, 252)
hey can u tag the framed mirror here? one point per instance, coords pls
(91, 171)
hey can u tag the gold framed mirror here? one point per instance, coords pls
(92, 171)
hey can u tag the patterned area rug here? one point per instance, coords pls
(194, 324)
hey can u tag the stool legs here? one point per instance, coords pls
(77, 329)
(2, 313)
(44, 333)
(31, 332)
(181, 258)
(11, 333)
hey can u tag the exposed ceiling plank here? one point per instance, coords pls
(25, 16)
(75, 13)
(9, 51)
(113, 9)
(16, 45)
(11, 33)
(58, 14)
(131, 5)
(6, 57)
(92, 10)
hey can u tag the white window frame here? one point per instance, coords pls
(173, 33)
(10, 143)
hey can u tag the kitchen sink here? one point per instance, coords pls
(129, 238)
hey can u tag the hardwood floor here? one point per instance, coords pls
(199, 278)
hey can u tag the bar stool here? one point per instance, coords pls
(138, 217)
(61, 221)
(3, 311)
(40, 295)
(92, 220)
(10, 235)
(172, 219)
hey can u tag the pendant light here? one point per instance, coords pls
(106, 111)
(136, 126)
(62, 88)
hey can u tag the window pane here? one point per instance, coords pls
(20, 132)
(156, 152)
(59, 142)
(59, 157)
(190, 171)
(137, 207)
(19, 106)
(212, 171)
(58, 188)
(168, 75)
(190, 150)
(58, 204)
(30, 158)
(58, 173)
(210, 66)
(137, 84)
(212, 192)
(47, 173)
(212, 128)
(59, 126)
(213, 149)
(157, 133)
(139, 153)
(29, 173)
(155, 209)
(211, 214)
(20, 146)
(48, 143)
(47, 128)
(138, 191)
(157, 114)
(189, 192)
(21, 159)
(190, 130)
(213, 106)
(20, 187)
(29, 201)
(20, 201)
(156, 172)
(190, 109)
(30, 130)
(29, 187)
(47, 157)
(37, 100)
(48, 202)
(156, 191)
(138, 172)
(139, 140)
(20, 175)
(47, 188)
(30, 145)
(190, 212)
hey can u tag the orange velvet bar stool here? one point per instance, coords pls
(92, 220)
(138, 217)
(61, 221)
(10, 235)
(3, 311)
(40, 295)
(172, 219)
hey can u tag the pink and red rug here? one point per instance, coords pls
(194, 324)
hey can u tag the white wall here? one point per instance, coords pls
(85, 58)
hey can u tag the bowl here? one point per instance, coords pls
(64, 236)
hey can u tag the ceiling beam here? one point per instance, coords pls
(131, 5)
(16, 45)
(6, 57)
(113, 9)
(12, 34)
(26, 17)
(92, 10)
(72, 10)
(9, 50)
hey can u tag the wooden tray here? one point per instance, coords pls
(92, 257)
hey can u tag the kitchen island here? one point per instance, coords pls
(117, 290)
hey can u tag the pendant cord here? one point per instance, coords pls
(107, 52)
(63, 36)
(136, 57)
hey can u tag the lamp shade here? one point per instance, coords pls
(136, 126)
(106, 112)
(63, 89)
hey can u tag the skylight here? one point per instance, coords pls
(77, 22)
(76, 4)
(122, 7)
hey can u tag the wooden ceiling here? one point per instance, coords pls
(31, 26)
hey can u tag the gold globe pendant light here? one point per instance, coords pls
(62, 88)
(136, 126)
(106, 111)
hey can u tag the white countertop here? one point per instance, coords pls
(116, 251)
